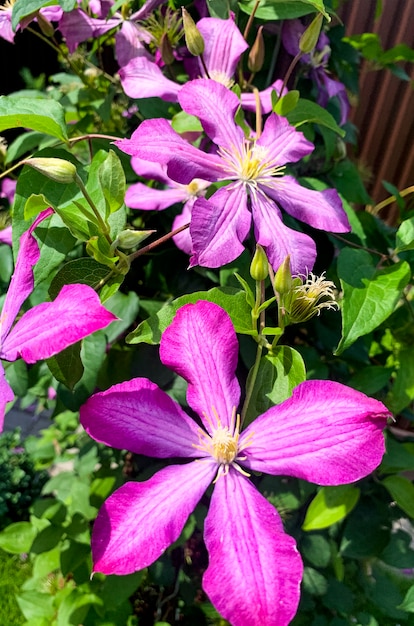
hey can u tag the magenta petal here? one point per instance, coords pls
(6, 395)
(284, 144)
(140, 520)
(183, 239)
(255, 570)
(140, 196)
(201, 345)
(138, 416)
(280, 241)
(223, 46)
(142, 78)
(128, 43)
(22, 281)
(50, 327)
(215, 106)
(320, 209)
(155, 140)
(219, 226)
(326, 433)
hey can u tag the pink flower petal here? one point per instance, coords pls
(183, 239)
(140, 520)
(6, 395)
(320, 209)
(142, 78)
(219, 226)
(279, 240)
(201, 345)
(50, 327)
(22, 281)
(248, 100)
(223, 46)
(140, 196)
(215, 106)
(255, 570)
(326, 433)
(129, 43)
(138, 416)
(155, 140)
(284, 144)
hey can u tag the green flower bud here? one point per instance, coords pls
(283, 278)
(259, 265)
(131, 238)
(193, 37)
(166, 50)
(59, 170)
(257, 52)
(45, 26)
(310, 37)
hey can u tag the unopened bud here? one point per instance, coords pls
(130, 238)
(166, 50)
(45, 26)
(193, 37)
(59, 170)
(283, 278)
(310, 37)
(257, 52)
(259, 265)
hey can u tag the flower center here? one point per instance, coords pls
(249, 164)
(224, 445)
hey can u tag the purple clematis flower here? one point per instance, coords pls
(326, 433)
(47, 328)
(317, 61)
(140, 196)
(255, 167)
(53, 14)
(223, 46)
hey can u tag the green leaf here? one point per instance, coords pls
(67, 366)
(34, 604)
(85, 271)
(112, 180)
(17, 538)
(408, 603)
(287, 103)
(307, 111)
(370, 294)
(282, 9)
(330, 505)
(314, 582)
(125, 307)
(231, 300)
(405, 236)
(402, 390)
(279, 373)
(182, 122)
(75, 606)
(55, 241)
(41, 114)
(401, 490)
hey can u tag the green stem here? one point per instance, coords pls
(251, 383)
(156, 243)
(103, 226)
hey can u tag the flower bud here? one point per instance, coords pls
(259, 265)
(166, 50)
(45, 26)
(283, 278)
(309, 297)
(59, 170)
(310, 37)
(257, 51)
(193, 37)
(131, 238)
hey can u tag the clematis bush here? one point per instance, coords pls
(201, 297)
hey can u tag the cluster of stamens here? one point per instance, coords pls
(249, 165)
(223, 443)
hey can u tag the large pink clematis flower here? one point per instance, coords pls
(255, 167)
(325, 433)
(47, 328)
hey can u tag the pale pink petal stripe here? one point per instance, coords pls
(140, 196)
(142, 78)
(201, 345)
(141, 520)
(138, 416)
(283, 143)
(50, 327)
(223, 46)
(325, 433)
(255, 570)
